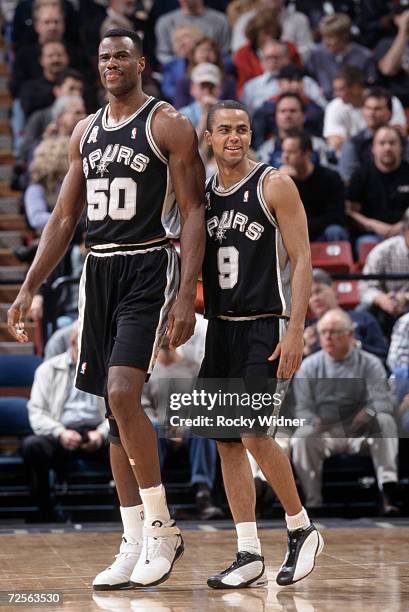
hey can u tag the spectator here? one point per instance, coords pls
(379, 190)
(344, 115)
(205, 90)
(289, 115)
(290, 79)
(38, 93)
(375, 21)
(367, 331)
(398, 355)
(336, 51)
(356, 152)
(202, 451)
(342, 415)
(263, 27)
(184, 38)
(205, 50)
(69, 83)
(274, 58)
(208, 21)
(392, 55)
(67, 424)
(50, 165)
(294, 24)
(388, 299)
(67, 111)
(321, 189)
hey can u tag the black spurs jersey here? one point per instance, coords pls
(246, 270)
(130, 199)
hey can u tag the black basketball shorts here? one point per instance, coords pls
(240, 350)
(124, 301)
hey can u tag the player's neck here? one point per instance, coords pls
(122, 107)
(230, 175)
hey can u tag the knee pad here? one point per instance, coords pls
(113, 434)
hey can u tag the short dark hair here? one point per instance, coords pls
(302, 136)
(70, 73)
(351, 75)
(124, 32)
(380, 93)
(392, 128)
(225, 105)
(291, 94)
(291, 73)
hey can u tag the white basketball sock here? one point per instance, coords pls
(154, 503)
(247, 539)
(298, 521)
(132, 520)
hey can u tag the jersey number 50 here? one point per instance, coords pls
(100, 204)
(228, 265)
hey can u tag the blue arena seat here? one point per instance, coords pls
(14, 417)
(17, 374)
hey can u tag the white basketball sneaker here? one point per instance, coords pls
(117, 575)
(162, 547)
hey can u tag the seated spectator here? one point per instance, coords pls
(290, 79)
(398, 354)
(205, 50)
(388, 299)
(193, 12)
(392, 56)
(379, 190)
(321, 189)
(342, 416)
(67, 424)
(66, 113)
(202, 451)
(184, 38)
(50, 165)
(205, 90)
(38, 93)
(336, 51)
(294, 24)
(367, 331)
(356, 152)
(289, 115)
(69, 83)
(263, 27)
(344, 116)
(274, 57)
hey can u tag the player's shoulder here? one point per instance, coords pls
(277, 180)
(171, 118)
(81, 127)
(172, 130)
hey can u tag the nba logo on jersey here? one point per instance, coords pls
(133, 133)
(83, 367)
(94, 134)
(246, 196)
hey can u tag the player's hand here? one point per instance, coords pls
(181, 321)
(17, 314)
(290, 351)
(94, 442)
(70, 439)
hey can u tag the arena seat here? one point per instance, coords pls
(17, 374)
(334, 257)
(347, 293)
(364, 249)
(14, 417)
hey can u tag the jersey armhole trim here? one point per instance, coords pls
(149, 134)
(262, 200)
(88, 129)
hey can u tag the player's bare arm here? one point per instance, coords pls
(56, 236)
(283, 198)
(176, 136)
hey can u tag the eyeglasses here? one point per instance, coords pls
(333, 333)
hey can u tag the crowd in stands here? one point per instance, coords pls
(327, 87)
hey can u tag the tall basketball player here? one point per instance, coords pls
(128, 161)
(257, 262)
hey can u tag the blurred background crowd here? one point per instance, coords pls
(327, 88)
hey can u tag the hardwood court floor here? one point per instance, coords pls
(360, 569)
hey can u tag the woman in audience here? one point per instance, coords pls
(184, 39)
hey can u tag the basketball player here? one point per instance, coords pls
(129, 160)
(257, 260)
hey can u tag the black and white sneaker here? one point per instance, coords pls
(303, 547)
(246, 571)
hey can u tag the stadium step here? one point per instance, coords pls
(11, 274)
(8, 293)
(10, 240)
(12, 222)
(10, 206)
(7, 258)
(5, 335)
(15, 348)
